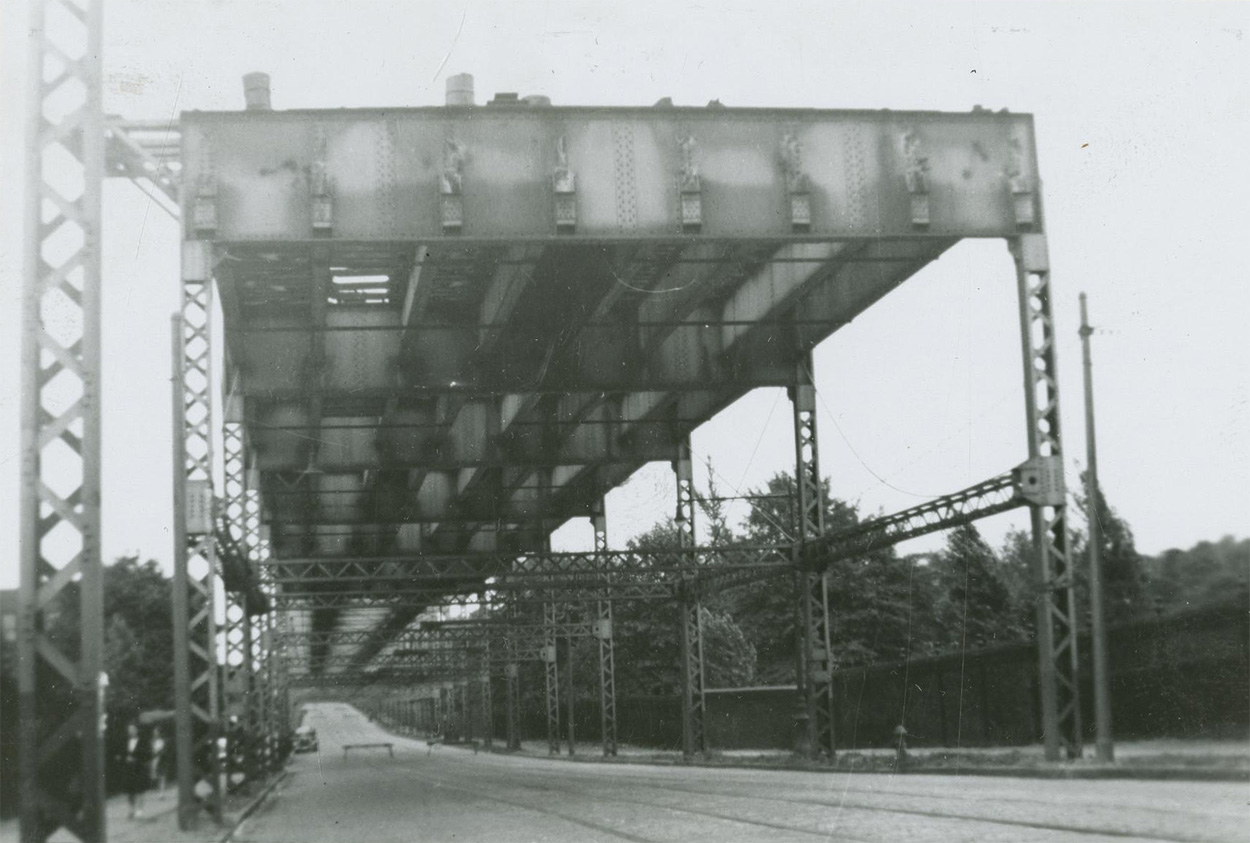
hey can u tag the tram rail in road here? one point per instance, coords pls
(451, 794)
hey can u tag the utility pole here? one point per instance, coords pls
(1104, 747)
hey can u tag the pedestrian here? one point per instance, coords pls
(158, 767)
(135, 758)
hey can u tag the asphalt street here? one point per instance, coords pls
(450, 794)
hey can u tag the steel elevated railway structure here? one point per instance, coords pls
(447, 332)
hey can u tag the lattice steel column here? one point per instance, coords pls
(816, 683)
(261, 701)
(277, 671)
(488, 703)
(690, 621)
(237, 631)
(570, 652)
(512, 691)
(603, 633)
(552, 672)
(1056, 606)
(61, 737)
(197, 716)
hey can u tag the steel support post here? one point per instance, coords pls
(690, 622)
(570, 684)
(512, 678)
(276, 670)
(488, 707)
(197, 714)
(512, 703)
(237, 631)
(1056, 604)
(60, 672)
(817, 671)
(261, 701)
(1104, 746)
(603, 633)
(552, 671)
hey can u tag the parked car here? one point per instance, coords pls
(306, 739)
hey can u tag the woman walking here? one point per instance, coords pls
(157, 764)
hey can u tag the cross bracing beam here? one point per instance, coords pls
(356, 679)
(990, 497)
(353, 445)
(415, 600)
(1002, 493)
(505, 568)
(439, 361)
(149, 155)
(476, 633)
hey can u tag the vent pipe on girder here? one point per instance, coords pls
(460, 89)
(256, 91)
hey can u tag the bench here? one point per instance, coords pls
(389, 747)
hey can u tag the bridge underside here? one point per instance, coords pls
(449, 331)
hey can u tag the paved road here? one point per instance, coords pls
(453, 795)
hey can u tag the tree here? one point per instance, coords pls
(879, 609)
(1123, 572)
(138, 639)
(979, 609)
(728, 655)
(647, 646)
(1209, 573)
(1018, 560)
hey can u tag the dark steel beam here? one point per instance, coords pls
(762, 172)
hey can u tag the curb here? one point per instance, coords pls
(1196, 774)
(251, 807)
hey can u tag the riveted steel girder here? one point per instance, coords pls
(779, 172)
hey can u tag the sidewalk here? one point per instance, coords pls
(159, 823)
(1202, 760)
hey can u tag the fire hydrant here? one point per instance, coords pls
(900, 741)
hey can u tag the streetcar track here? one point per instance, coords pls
(995, 800)
(501, 777)
(856, 806)
(696, 811)
(477, 792)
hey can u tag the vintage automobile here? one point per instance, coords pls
(306, 739)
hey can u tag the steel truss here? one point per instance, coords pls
(60, 679)
(197, 713)
(1056, 606)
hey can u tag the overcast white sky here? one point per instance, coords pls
(1142, 117)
